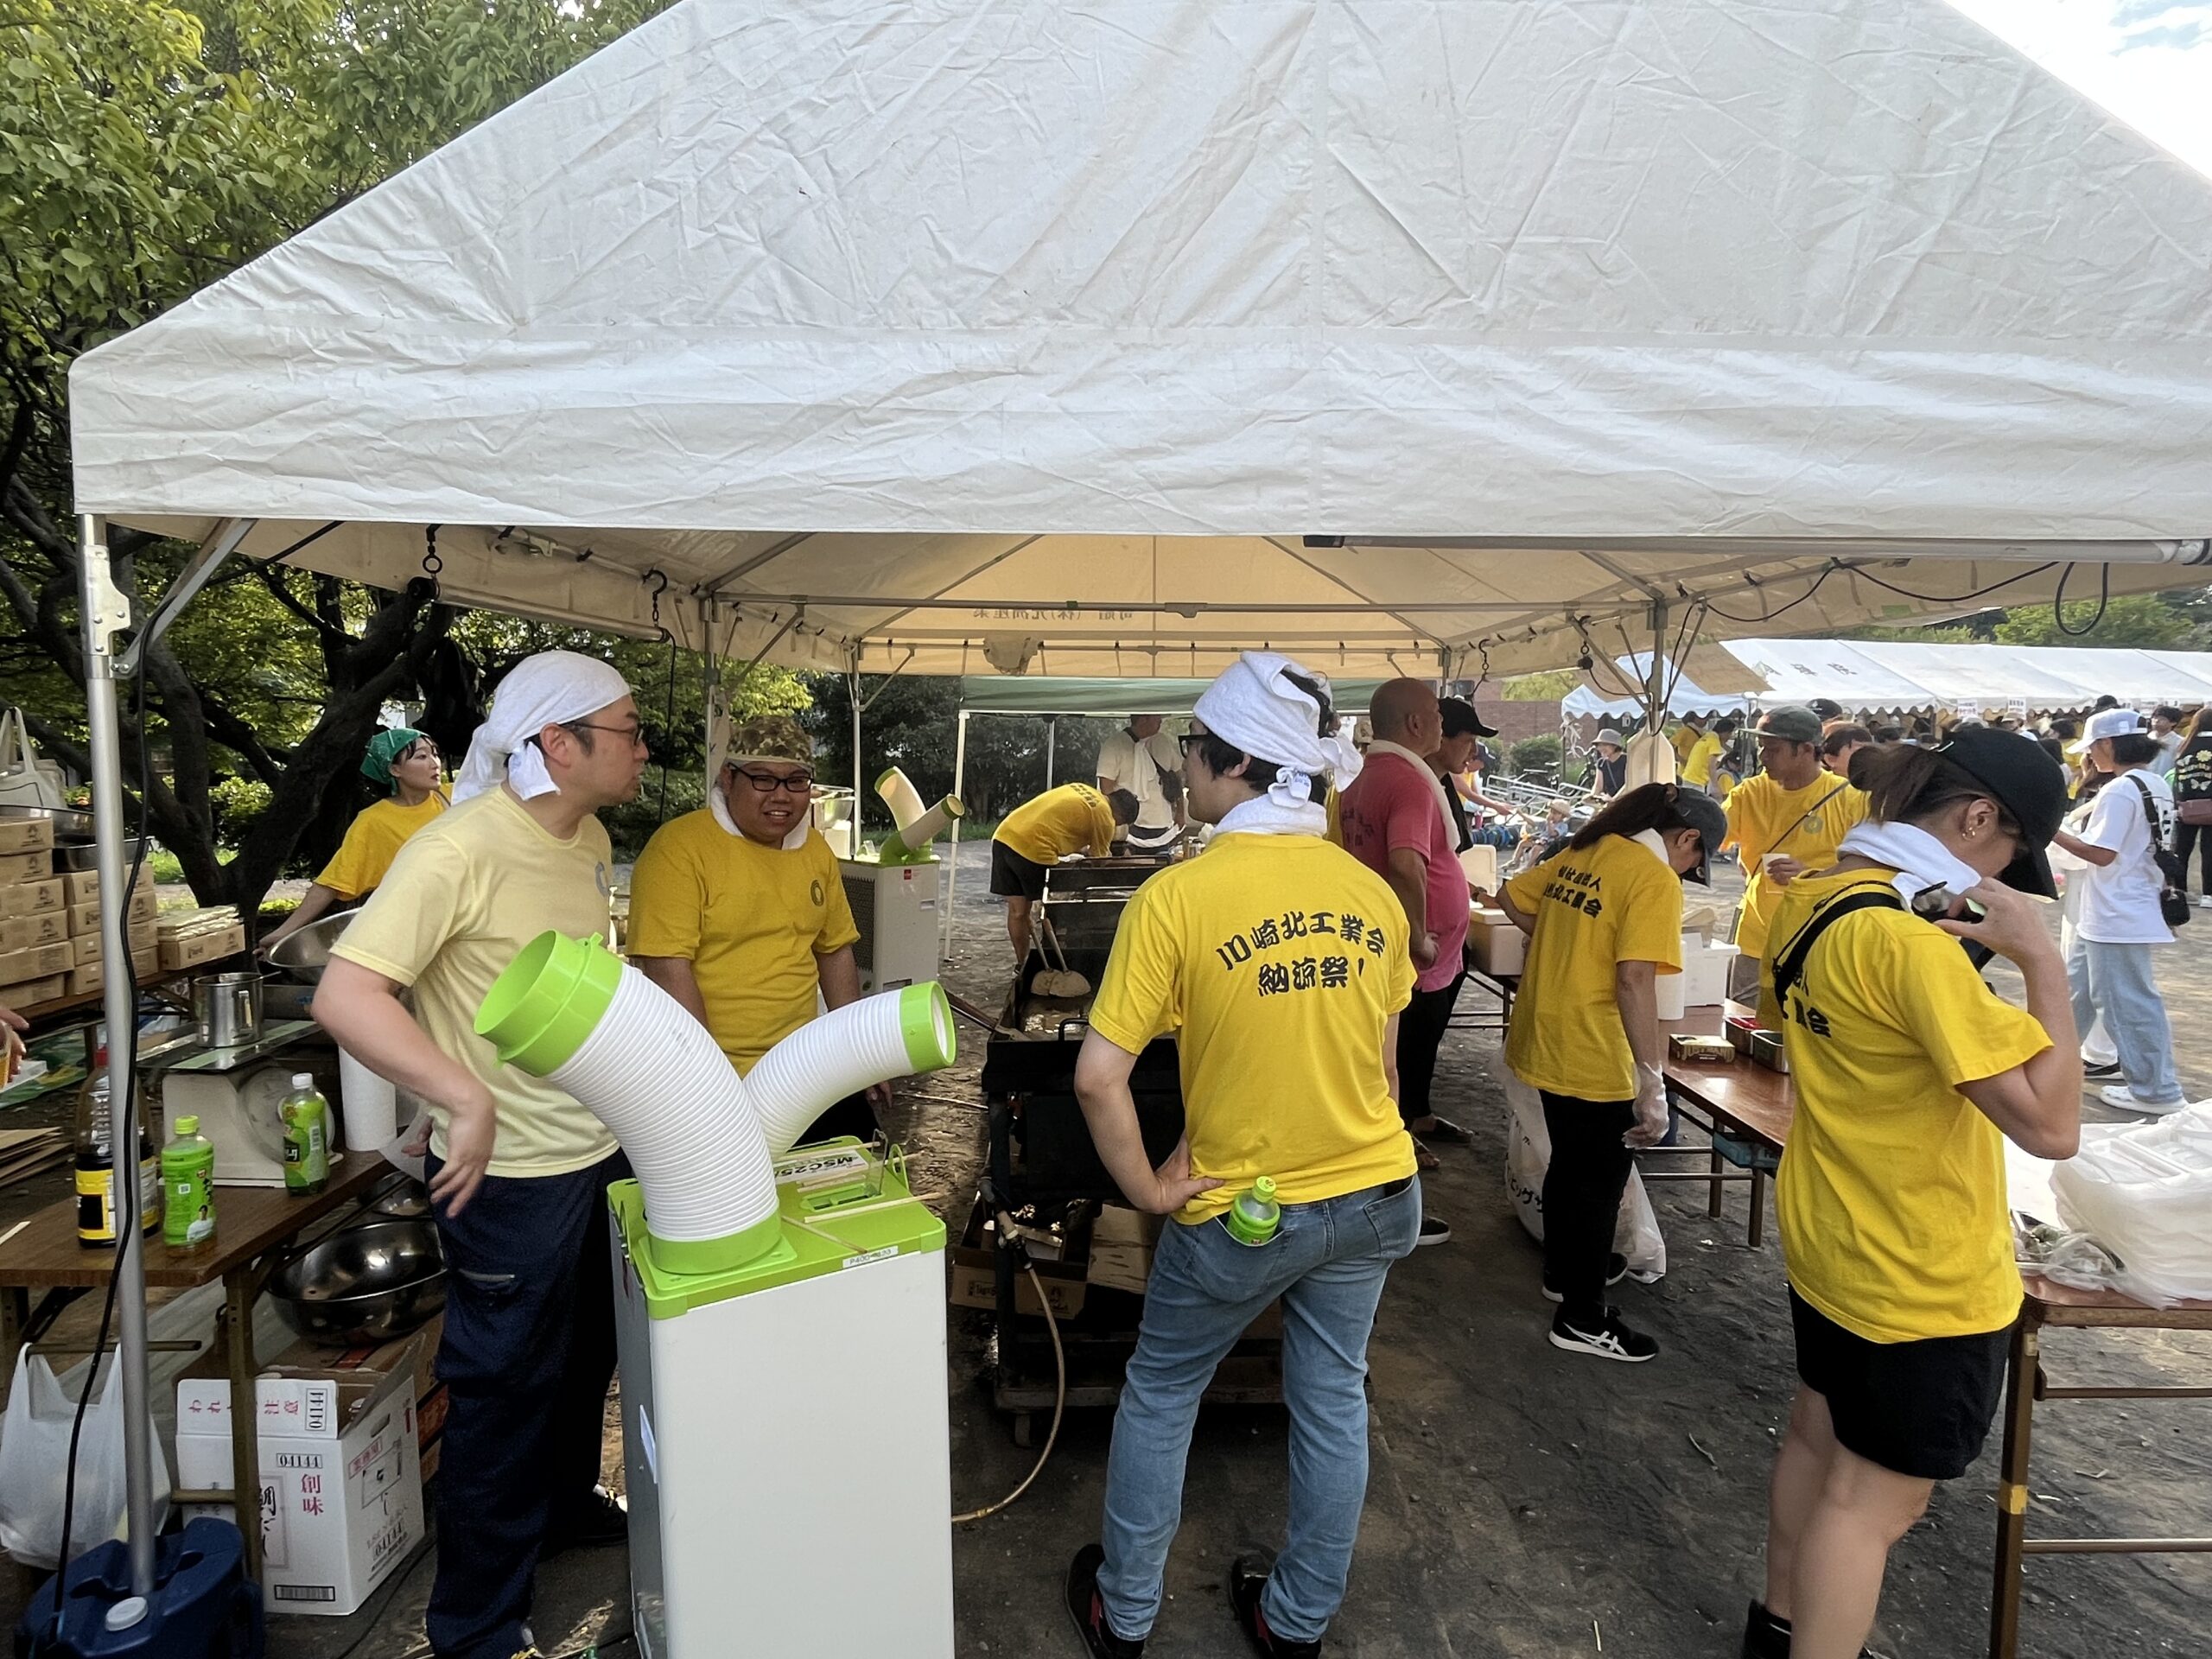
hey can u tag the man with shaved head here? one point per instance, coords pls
(1397, 822)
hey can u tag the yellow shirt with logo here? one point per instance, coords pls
(1891, 1193)
(1808, 824)
(1698, 763)
(1073, 818)
(1277, 961)
(750, 919)
(1595, 907)
(459, 902)
(372, 840)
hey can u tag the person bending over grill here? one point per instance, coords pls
(1280, 963)
(1041, 831)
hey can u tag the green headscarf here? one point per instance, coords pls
(386, 747)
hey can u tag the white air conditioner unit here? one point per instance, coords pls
(895, 907)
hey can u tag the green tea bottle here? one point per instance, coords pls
(1254, 1216)
(188, 1188)
(306, 1116)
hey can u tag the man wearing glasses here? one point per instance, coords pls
(519, 1170)
(737, 911)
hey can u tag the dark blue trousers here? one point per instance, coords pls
(528, 1351)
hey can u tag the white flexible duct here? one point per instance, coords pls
(915, 837)
(901, 796)
(847, 1050)
(654, 1076)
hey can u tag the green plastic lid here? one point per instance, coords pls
(1254, 1217)
(188, 1126)
(538, 1012)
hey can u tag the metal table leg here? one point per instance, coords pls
(1758, 1205)
(1712, 1200)
(240, 1285)
(2012, 1487)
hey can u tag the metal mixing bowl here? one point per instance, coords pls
(366, 1284)
(401, 1197)
(305, 954)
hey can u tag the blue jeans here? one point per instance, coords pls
(1327, 1263)
(2115, 981)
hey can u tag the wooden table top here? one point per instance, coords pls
(1751, 1097)
(2051, 1303)
(248, 1221)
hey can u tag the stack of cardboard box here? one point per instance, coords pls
(191, 938)
(50, 921)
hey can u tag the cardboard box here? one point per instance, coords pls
(37, 962)
(145, 966)
(196, 947)
(1121, 1243)
(33, 897)
(26, 835)
(25, 867)
(341, 1477)
(33, 992)
(145, 904)
(1496, 944)
(418, 1347)
(29, 932)
(91, 946)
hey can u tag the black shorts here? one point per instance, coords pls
(1014, 876)
(1919, 1409)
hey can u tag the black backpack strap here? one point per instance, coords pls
(1790, 966)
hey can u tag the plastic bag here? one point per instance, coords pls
(2144, 1193)
(34, 1461)
(1528, 1156)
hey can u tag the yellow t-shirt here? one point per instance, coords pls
(1891, 1192)
(1697, 764)
(750, 919)
(1073, 818)
(1684, 738)
(1277, 961)
(1595, 908)
(372, 840)
(461, 899)
(1808, 824)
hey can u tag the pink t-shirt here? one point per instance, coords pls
(1391, 805)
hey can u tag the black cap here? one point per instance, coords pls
(1704, 815)
(1826, 708)
(2027, 783)
(1460, 718)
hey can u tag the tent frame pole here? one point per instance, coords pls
(952, 871)
(1655, 687)
(1051, 734)
(107, 611)
(854, 685)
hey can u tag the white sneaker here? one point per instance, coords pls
(2205, 903)
(2118, 1096)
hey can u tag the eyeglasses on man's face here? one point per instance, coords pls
(633, 733)
(767, 783)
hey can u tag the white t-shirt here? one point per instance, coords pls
(2119, 900)
(1118, 759)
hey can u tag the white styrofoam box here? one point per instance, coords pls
(341, 1479)
(1480, 864)
(1705, 974)
(1498, 947)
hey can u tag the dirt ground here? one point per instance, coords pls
(1524, 1504)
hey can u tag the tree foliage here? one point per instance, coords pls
(147, 148)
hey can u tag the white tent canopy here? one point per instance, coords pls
(1026, 336)
(1889, 676)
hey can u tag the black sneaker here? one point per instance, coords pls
(1616, 1270)
(1765, 1637)
(1611, 1340)
(1247, 1577)
(598, 1522)
(1089, 1610)
(1433, 1230)
(2109, 1070)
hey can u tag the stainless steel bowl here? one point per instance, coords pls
(400, 1196)
(366, 1284)
(71, 856)
(305, 954)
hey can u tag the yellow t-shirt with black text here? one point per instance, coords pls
(750, 919)
(459, 902)
(1073, 818)
(1595, 907)
(1891, 1197)
(372, 840)
(1808, 824)
(1277, 961)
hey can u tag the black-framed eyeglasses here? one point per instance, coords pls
(767, 783)
(1187, 739)
(633, 733)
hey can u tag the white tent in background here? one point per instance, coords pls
(1072, 340)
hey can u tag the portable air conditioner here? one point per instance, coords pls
(894, 907)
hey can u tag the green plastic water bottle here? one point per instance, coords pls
(188, 1188)
(306, 1115)
(1254, 1216)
